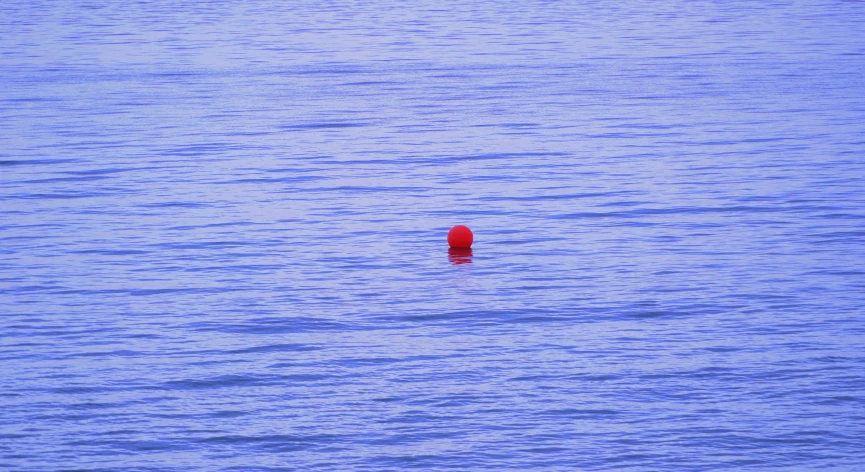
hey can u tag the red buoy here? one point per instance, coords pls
(460, 236)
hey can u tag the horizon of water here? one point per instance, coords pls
(222, 236)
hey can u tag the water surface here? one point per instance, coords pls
(222, 236)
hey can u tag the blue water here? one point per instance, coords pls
(222, 236)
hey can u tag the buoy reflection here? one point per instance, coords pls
(460, 255)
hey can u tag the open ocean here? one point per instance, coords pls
(222, 236)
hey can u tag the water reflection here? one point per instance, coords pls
(460, 255)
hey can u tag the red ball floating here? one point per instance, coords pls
(460, 237)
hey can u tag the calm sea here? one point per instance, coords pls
(222, 236)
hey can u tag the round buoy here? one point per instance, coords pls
(460, 236)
